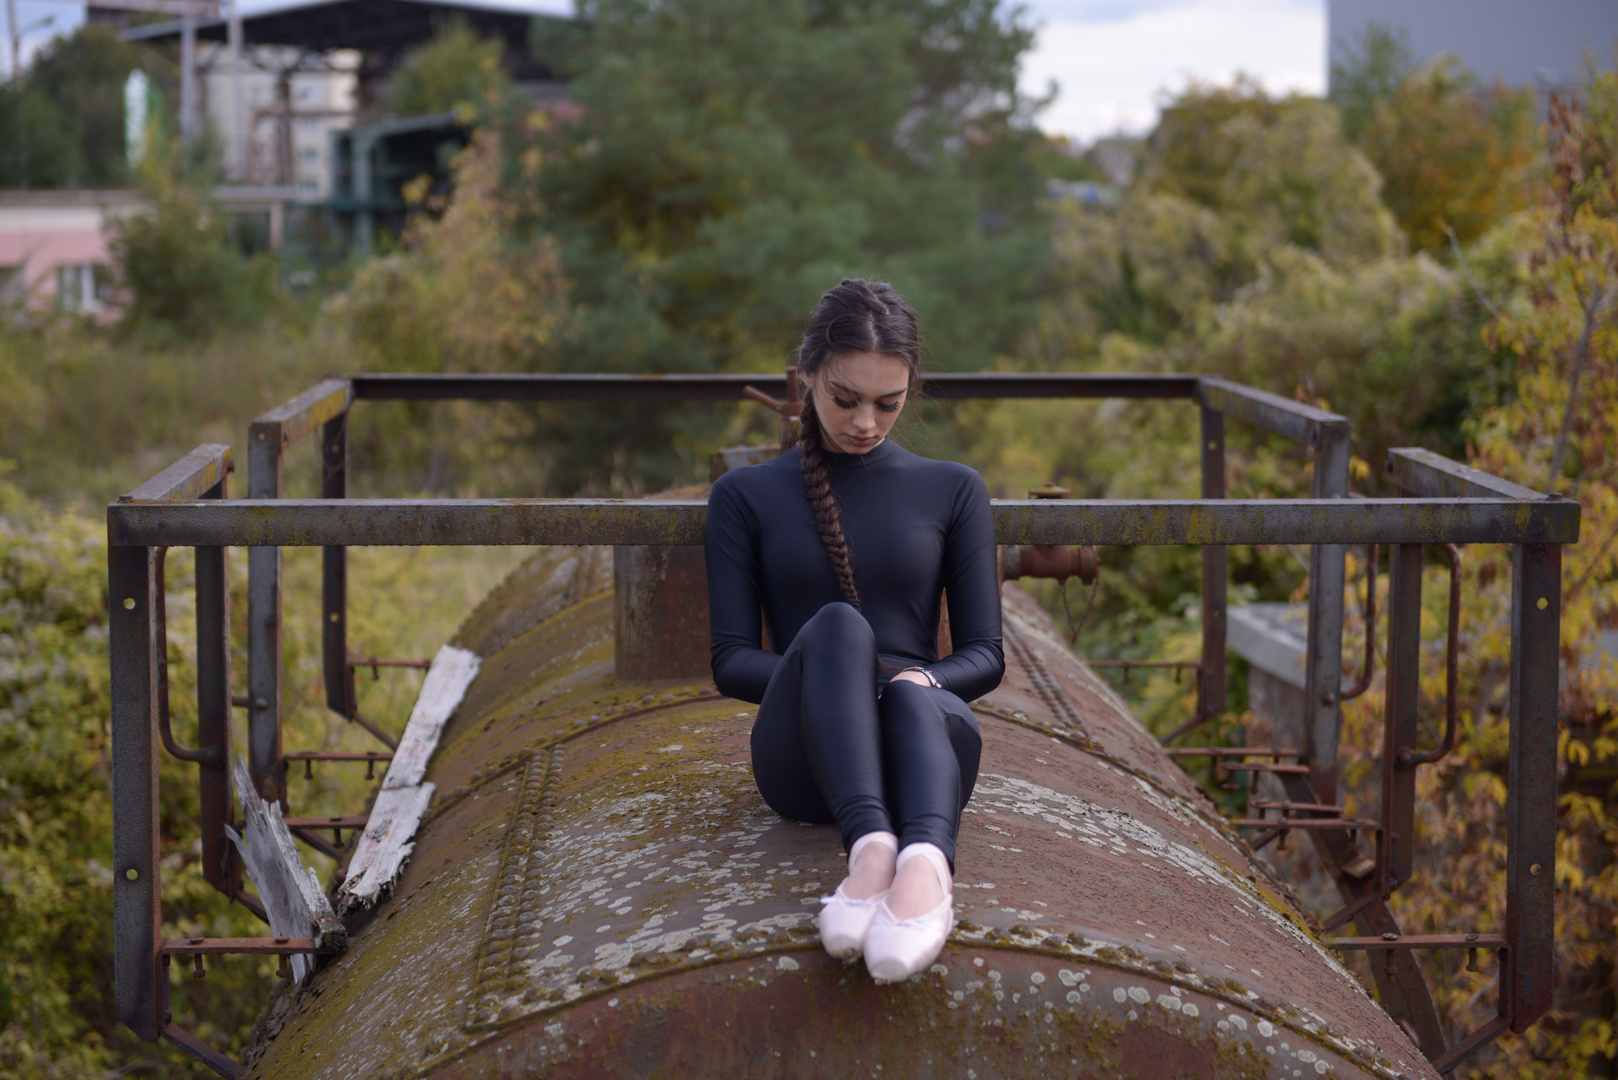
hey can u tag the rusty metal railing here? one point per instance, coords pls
(325, 407)
(1443, 503)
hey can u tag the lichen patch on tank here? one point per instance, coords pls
(1110, 828)
(666, 849)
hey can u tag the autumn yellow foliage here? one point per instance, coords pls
(1556, 434)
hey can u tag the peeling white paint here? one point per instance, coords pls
(290, 891)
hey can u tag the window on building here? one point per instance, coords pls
(310, 155)
(13, 285)
(83, 288)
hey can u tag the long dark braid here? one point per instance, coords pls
(857, 316)
(828, 515)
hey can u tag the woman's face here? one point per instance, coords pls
(858, 397)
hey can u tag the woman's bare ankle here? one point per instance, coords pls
(870, 871)
(916, 889)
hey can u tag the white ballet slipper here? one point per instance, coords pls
(896, 948)
(844, 920)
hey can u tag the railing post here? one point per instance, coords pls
(1536, 626)
(264, 619)
(1323, 676)
(1211, 689)
(137, 916)
(1396, 844)
(334, 572)
(221, 865)
(268, 436)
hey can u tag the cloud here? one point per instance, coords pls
(1100, 11)
(1112, 69)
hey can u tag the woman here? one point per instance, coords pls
(846, 543)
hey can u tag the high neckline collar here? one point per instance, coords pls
(878, 453)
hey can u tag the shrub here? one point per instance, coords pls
(176, 263)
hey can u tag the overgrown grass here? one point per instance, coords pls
(56, 1017)
(92, 412)
(403, 603)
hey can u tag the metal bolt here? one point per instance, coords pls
(333, 616)
(1327, 697)
(1534, 869)
(1390, 936)
(131, 873)
(129, 603)
(1542, 603)
(261, 702)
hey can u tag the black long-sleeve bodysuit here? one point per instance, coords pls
(825, 747)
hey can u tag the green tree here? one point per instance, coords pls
(730, 161)
(1279, 169)
(175, 259)
(1233, 185)
(455, 71)
(1369, 70)
(456, 296)
(38, 147)
(84, 75)
(1454, 156)
(1253, 243)
(65, 126)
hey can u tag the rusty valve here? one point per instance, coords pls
(1050, 560)
(787, 410)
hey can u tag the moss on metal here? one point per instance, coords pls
(599, 880)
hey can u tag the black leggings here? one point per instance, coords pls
(826, 748)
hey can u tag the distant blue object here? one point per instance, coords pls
(1087, 193)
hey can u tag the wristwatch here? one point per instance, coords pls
(929, 676)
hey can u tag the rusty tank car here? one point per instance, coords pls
(568, 872)
(599, 890)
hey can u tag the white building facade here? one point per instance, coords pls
(291, 103)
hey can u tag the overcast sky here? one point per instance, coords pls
(1111, 60)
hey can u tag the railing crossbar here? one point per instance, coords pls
(494, 522)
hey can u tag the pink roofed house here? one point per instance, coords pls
(53, 247)
(53, 244)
